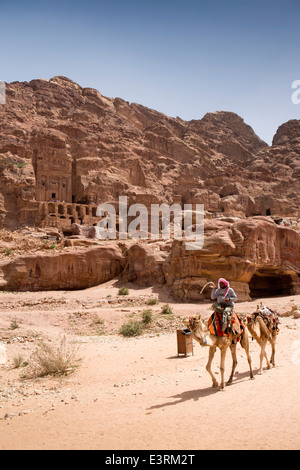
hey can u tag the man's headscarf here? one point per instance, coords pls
(222, 280)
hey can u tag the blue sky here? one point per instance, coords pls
(183, 58)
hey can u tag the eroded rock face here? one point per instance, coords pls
(73, 270)
(258, 257)
(71, 144)
(144, 264)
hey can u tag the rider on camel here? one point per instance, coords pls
(225, 297)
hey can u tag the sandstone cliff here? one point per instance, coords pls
(63, 142)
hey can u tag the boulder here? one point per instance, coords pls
(144, 265)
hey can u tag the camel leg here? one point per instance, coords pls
(212, 351)
(272, 360)
(222, 367)
(263, 355)
(245, 346)
(234, 362)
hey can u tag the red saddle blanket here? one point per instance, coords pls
(215, 325)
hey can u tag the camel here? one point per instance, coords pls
(263, 327)
(202, 334)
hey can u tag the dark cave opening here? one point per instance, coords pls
(270, 284)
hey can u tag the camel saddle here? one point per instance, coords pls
(235, 327)
(269, 317)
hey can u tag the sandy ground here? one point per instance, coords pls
(136, 393)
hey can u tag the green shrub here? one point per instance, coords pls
(131, 328)
(152, 301)
(147, 316)
(166, 309)
(19, 165)
(123, 291)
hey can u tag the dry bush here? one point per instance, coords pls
(49, 359)
(18, 361)
(147, 316)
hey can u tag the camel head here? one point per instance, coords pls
(250, 318)
(199, 329)
(192, 322)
